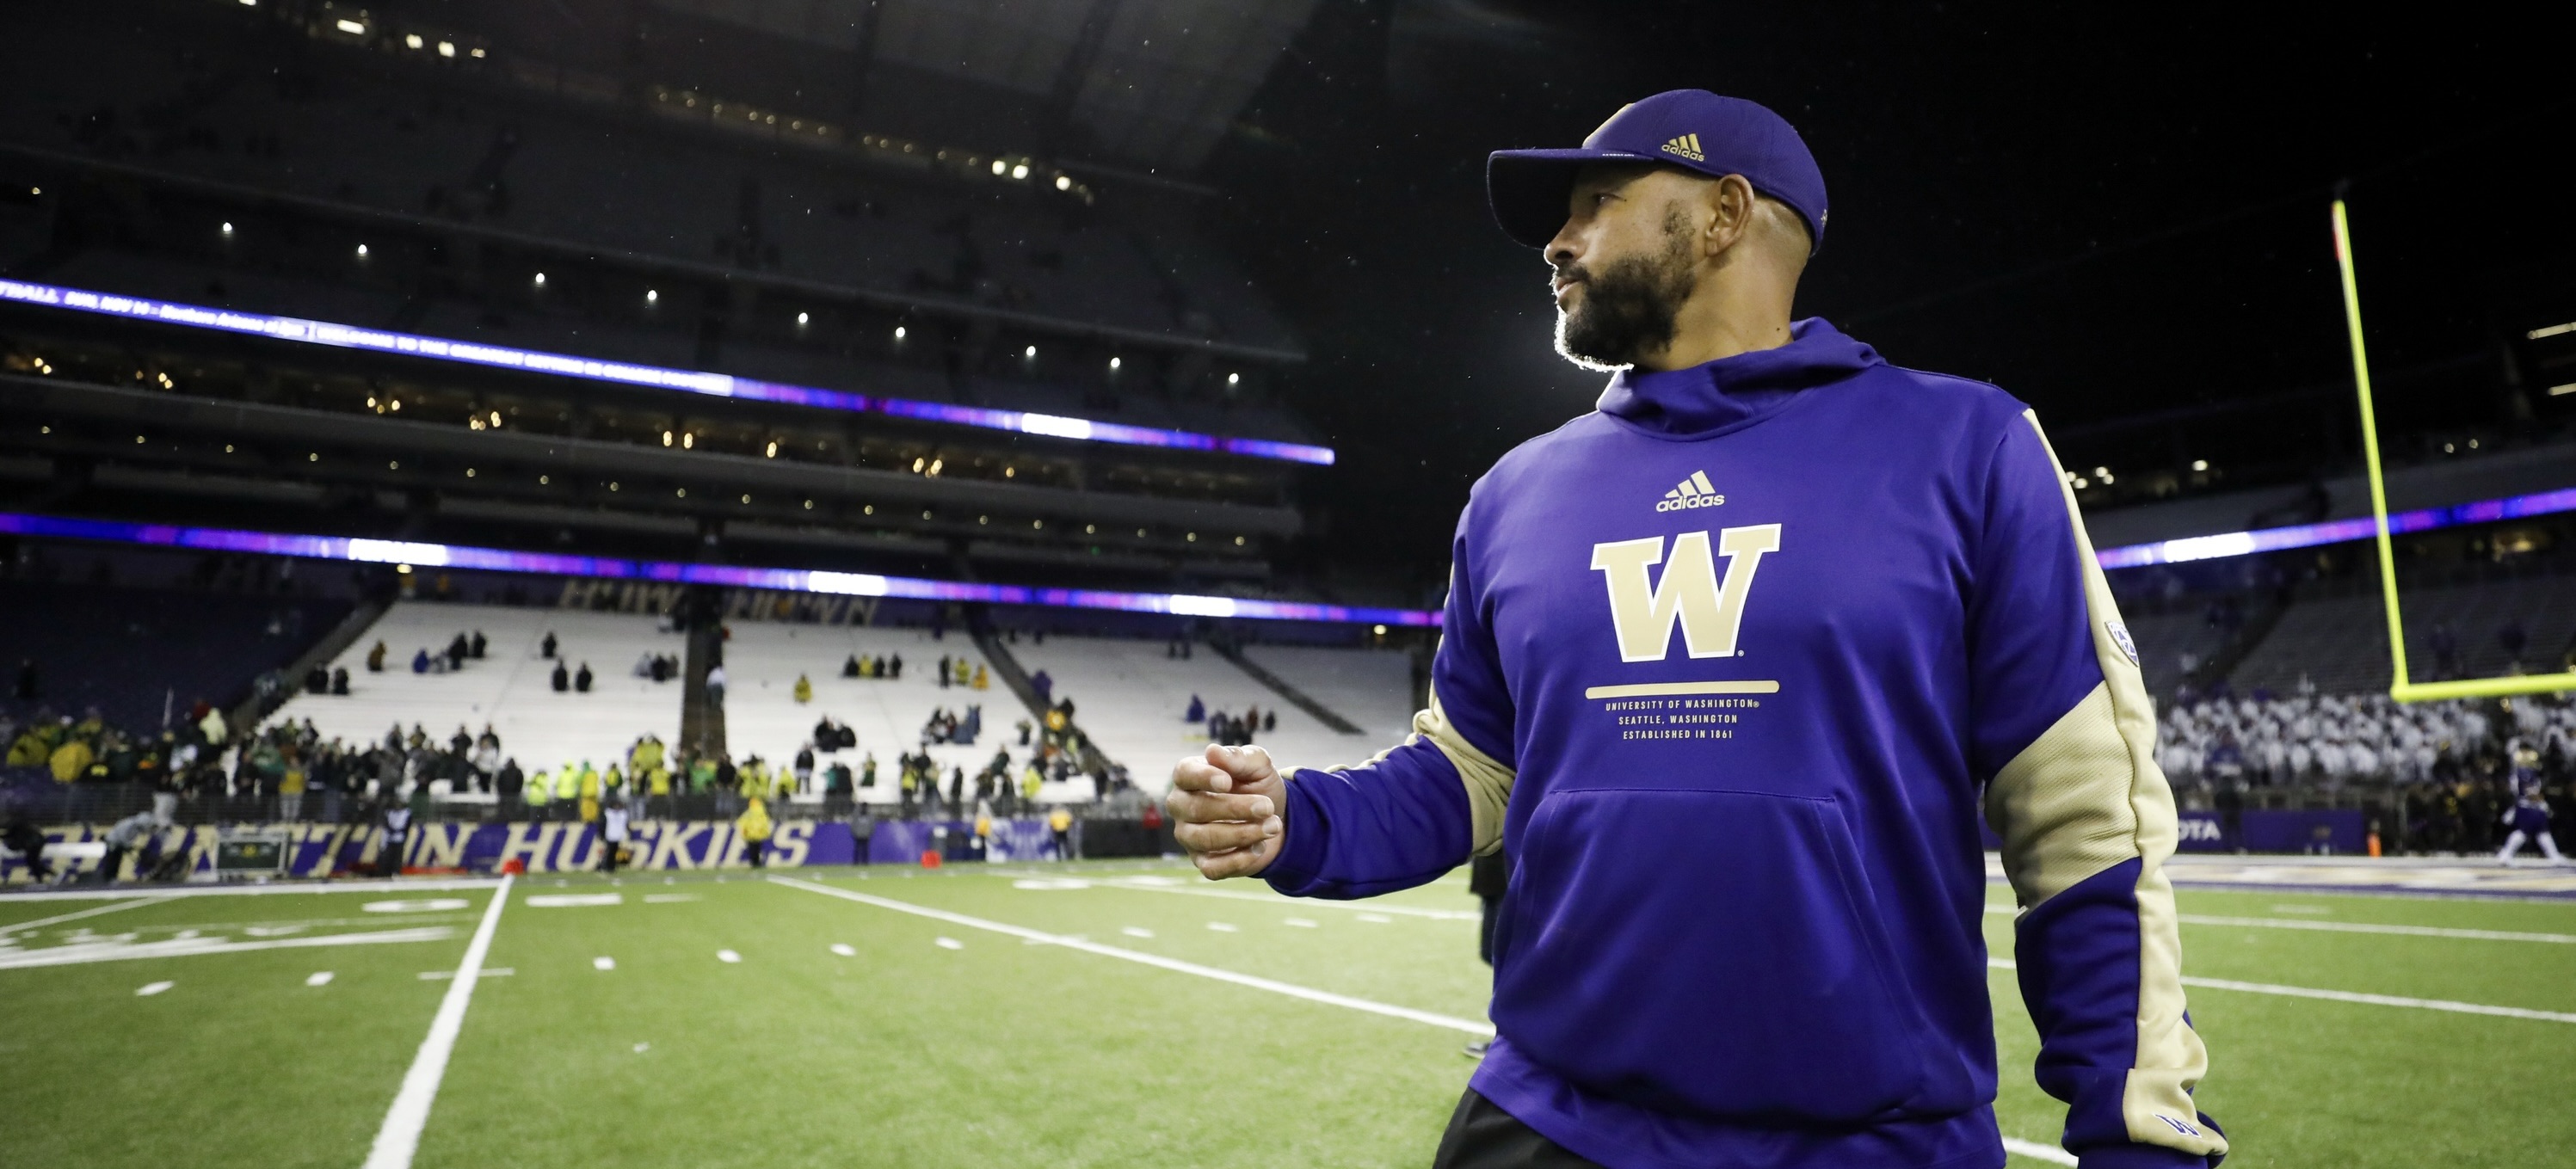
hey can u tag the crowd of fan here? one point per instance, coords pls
(2455, 769)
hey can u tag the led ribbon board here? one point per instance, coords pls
(713, 384)
(2226, 544)
(798, 580)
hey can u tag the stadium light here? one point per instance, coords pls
(2569, 388)
(1021, 171)
(411, 40)
(803, 319)
(1064, 182)
(310, 332)
(353, 28)
(652, 296)
(999, 166)
(2200, 464)
(362, 251)
(1234, 379)
(1113, 363)
(1030, 352)
(447, 48)
(2550, 331)
(228, 227)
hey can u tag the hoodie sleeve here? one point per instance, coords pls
(2065, 730)
(1422, 807)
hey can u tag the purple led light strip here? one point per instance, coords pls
(714, 384)
(784, 579)
(2225, 544)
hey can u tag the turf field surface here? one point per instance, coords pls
(1087, 1014)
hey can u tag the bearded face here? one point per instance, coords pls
(1628, 305)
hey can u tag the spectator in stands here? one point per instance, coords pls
(645, 664)
(943, 671)
(546, 648)
(475, 648)
(581, 680)
(562, 680)
(1044, 685)
(340, 681)
(894, 667)
(457, 650)
(2513, 640)
(805, 768)
(804, 690)
(376, 659)
(1060, 823)
(850, 667)
(420, 661)
(1269, 720)
(956, 791)
(716, 684)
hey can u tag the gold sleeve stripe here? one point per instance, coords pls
(2059, 822)
(2171, 1058)
(1489, 784)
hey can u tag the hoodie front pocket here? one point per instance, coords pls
(1712, 952)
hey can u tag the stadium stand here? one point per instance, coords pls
(1370, 688)
(1131, 696)
(763, 661)
(509, 689)
(140, 656)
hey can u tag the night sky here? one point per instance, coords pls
(2109, 214)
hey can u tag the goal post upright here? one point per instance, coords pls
(2401, 687)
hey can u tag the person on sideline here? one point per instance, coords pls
(754, 826)
(1745, 920)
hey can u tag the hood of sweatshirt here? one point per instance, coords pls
(1720, 395)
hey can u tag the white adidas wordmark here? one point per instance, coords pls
(1695, 491)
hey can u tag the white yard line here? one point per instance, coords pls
(82, 953)
(2038, 1152)
(402, 885)
(1371, 906)
(2352, 927)
(2347, 996)
(77, 915)
(400, 1136)
(1470, 1026)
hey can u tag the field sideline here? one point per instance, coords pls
(1086, 1014)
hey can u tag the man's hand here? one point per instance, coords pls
(1226, 810)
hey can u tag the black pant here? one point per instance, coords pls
(753, 850)
(1493, 908)
(608, 855)
(1482, 1136)
(107, 865)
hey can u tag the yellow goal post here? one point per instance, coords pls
(2401, 686)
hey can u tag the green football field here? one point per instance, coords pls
(1087, 1014)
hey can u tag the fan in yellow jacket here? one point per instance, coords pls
(754, 826)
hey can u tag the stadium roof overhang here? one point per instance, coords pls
(1155, 84)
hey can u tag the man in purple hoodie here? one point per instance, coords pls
(1890, 622)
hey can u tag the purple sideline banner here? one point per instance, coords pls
(318, 850)
(2274, 830)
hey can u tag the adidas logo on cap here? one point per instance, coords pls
(1693, 492)
(1686, 146)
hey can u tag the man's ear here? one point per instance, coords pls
(1732, 212)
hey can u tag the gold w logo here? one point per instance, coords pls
(1710, 613)
(1686, 146)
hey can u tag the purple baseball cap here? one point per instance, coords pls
(1689, 128)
